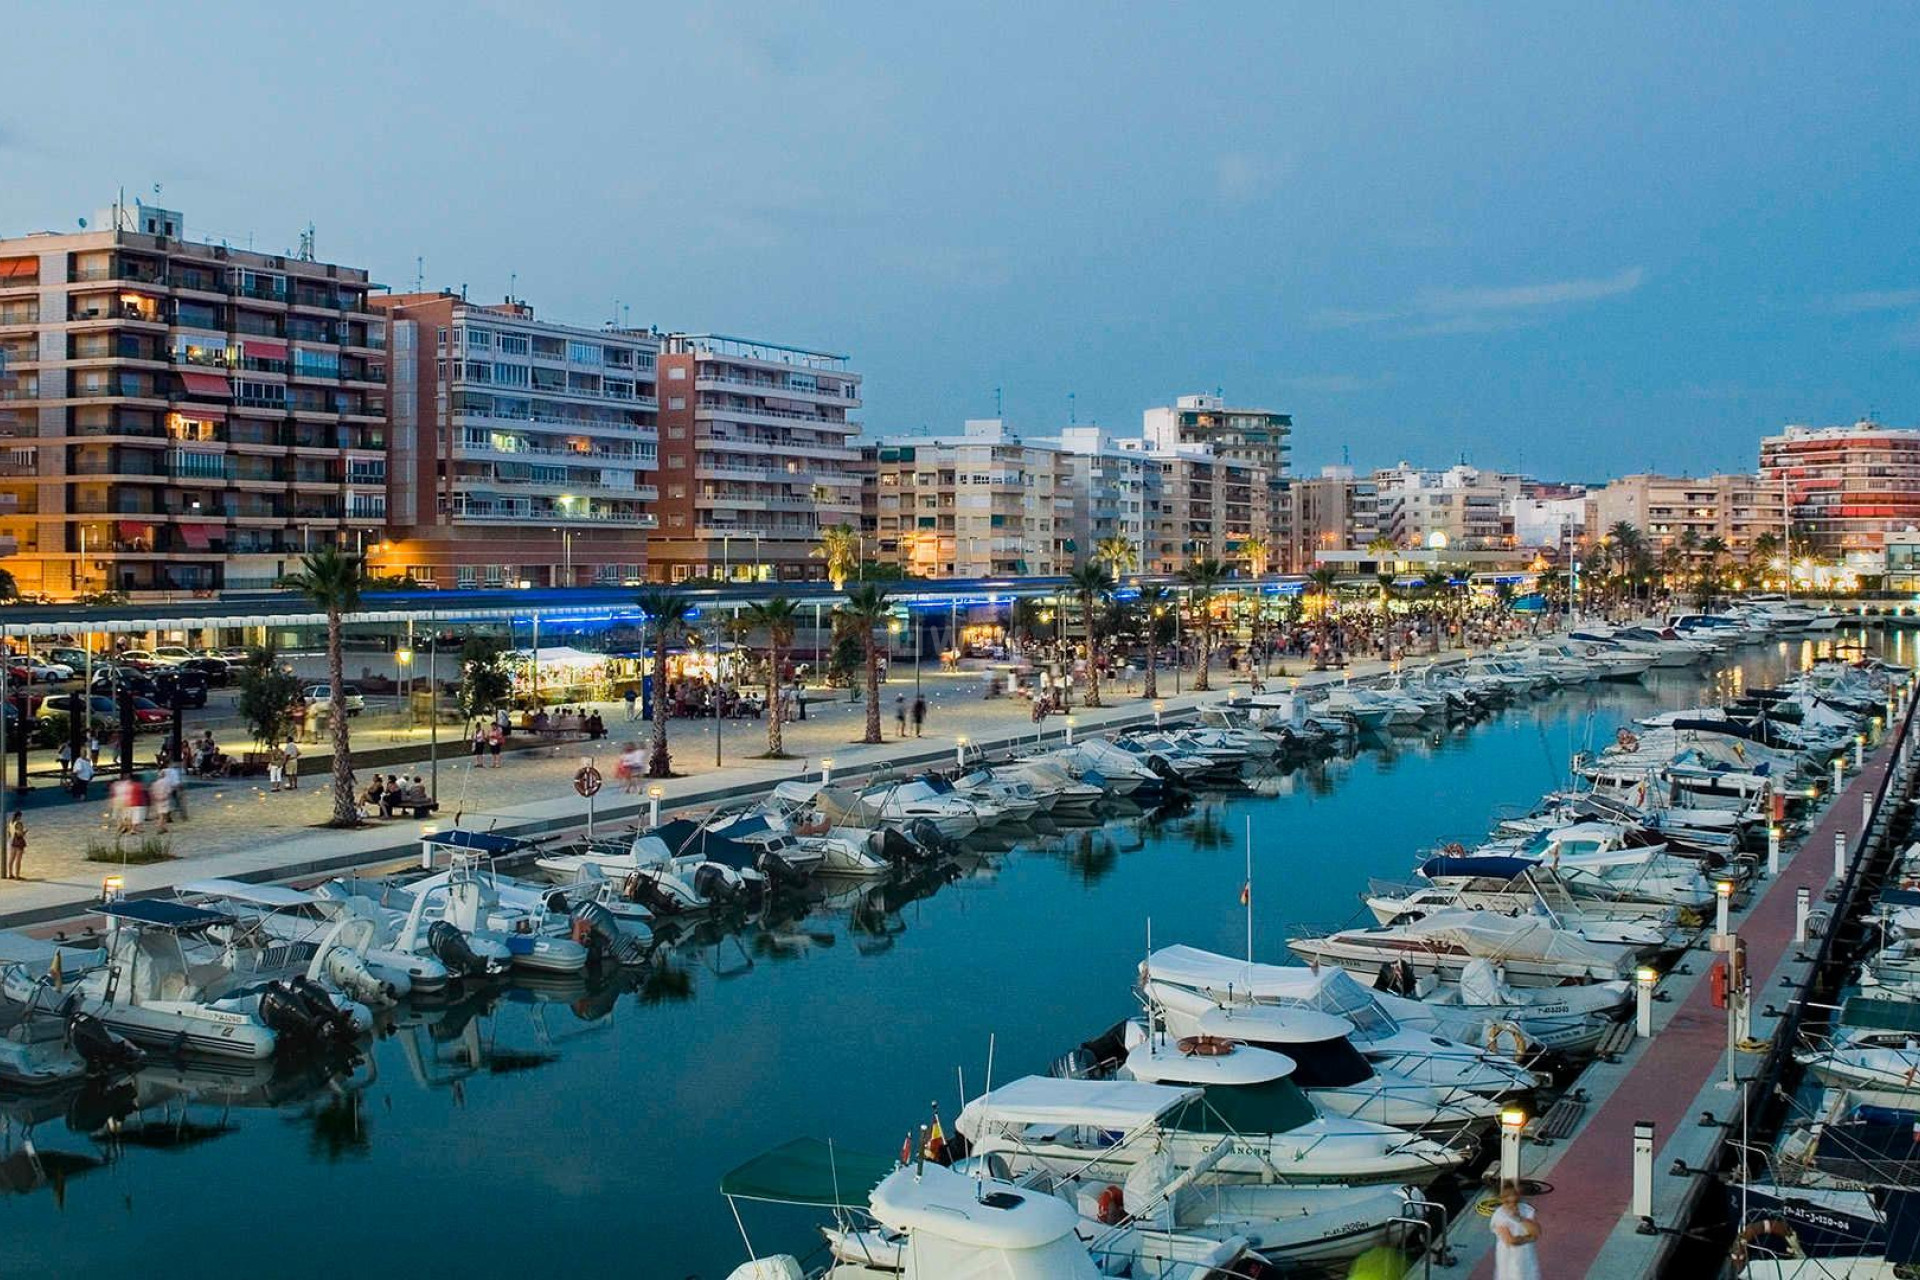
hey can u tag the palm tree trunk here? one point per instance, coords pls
(773, 699)
(873, 689)
(1200, 684)
(345, 812)
(659, 764)
(1093, 653)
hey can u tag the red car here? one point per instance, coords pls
(148, 714)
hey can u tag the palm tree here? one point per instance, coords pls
(840, 547)
(1156, 608)
(1091, 582)
(1712, 547)
(779, 617)
(1324, 579)
(1118, 554)
(666, 612)
(1256, 549)
(866, 610)
(1761, 554)
(1202, 577)
(1386, 610)
(332, 578)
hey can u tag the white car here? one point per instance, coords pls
(40, 670)
(173, 655)
(322, 695)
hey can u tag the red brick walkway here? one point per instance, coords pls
(1593, 1179)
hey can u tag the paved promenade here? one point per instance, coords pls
(242, 829)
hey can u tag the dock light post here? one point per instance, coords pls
(1513, 1122)
(1859, 750)
(960, 752)
(1070, 720)
(826, 771)
(1644, 980)
(1158, 708)
(1643, 1171)
(1723, 906)
(1773, 849)
(426, 847)
(1839, 855)
(1839, 772)
(112, 889)
(1866, 810)
(1802, 906)
(654, 793)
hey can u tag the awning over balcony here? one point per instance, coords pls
(195, 536)
(20, 269)
(206, 384)
(131, 529)
(265, 349)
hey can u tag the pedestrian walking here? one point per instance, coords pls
(82, 775)
(633, 705)
(479, 744)
(161, 797)
(1516, 1230)
(93, 749)
(17, 846)
(919, 714)
(130, 804)
(177, 788)
(276, 767)
(65, 758)
(496, 738)
(291, 752)
(900, 714)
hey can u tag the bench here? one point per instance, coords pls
(1615, 1041)
(404, 808)
(1562, 1118)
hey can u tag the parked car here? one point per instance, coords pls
(141, 658)
(75, 658)
(132, 679)
(322, 696)
(102, 714)
(172, 655)
(191, 686)
(218, 671)
(148, 714)
(48, 672)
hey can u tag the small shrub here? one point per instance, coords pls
(139, 851)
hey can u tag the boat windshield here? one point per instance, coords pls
(1325, 1064)
(1276, 1106)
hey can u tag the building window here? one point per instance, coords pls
(586, 353)
(479, 339)
(677, 374)
(676, 491)
(676, 402)
(511, 344)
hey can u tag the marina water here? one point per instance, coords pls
(567, 1127)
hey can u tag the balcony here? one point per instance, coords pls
(146, 312)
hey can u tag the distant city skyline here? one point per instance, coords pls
(1575, 243)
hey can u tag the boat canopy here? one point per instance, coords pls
(163, 915)
(1208, 971)
(1865, 1013)
(1269, 1024)
(478, 841)
(1493, 868)
(808, 1171)
(937, 1206)
(1104, 1104)
(1161, 1061)
(256, 895)
(1495, 936)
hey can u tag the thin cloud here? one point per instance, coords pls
(1483, 310)
(1335, 383)
(1874, 300)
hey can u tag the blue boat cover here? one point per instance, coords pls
(163, 914)
(1498, 868)
(484, 841)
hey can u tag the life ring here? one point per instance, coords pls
(1627, 738)
(1593, 651)
(1206, 1046)
(1496, 1031)
(1454, 849)
(1113, 1205)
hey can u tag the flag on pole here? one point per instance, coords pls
(54, 973)
(1246, 892)
(936, 1148)
(906, 1148)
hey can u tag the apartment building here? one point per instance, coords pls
(1108, 488)
(1333, 511)
(1553, 524)
(523, 451)
(982, 504)
(756, 458)
(184, 416)
(1259, 437)
(1200, 506)
(1735, 508)
(1462, 506)
(1849, 486)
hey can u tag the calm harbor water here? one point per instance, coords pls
(559, 1127)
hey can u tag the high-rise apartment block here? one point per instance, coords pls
(523, 451)
(1684, 511)
(184, 416)
(1849, 487)
(1333, 511)
(1460, 507)
(982, 504)
(756, 458)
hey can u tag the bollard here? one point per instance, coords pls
(1643, 1169)
(653, 804)
(1513, 1121)
(960, 752)
(1645, 978)
(1802, 901)
(1722, 907)
(1773, 849)
(426, 848)
(1158, 707)
(1069, 730)
(826, 771)
(1839, 855)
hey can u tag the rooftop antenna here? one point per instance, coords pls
(513, 284)
(1346, 456)
(1071, 411)
(306, 240)
(996, 402)
(419, 273)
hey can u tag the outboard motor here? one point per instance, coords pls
(930, 838)
(327, 1014)
(1168, 775)
(712, 882)
(286, 1015)
(449, 946)
(595, 928)
(102, 1050)
(348, 971)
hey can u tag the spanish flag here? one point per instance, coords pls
(936, 1145)
(1246, 892)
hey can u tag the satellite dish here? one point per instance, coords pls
(83, 223)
